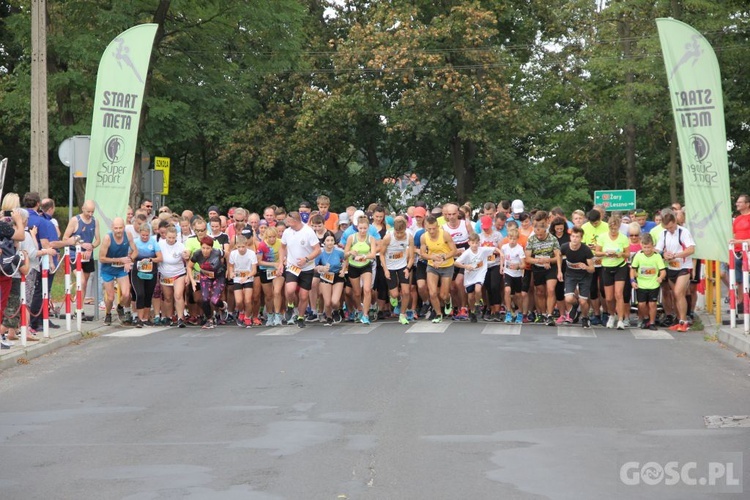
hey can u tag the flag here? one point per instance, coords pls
(118, 101)
(698, 108)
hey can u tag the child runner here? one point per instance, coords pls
(513, 264)
(580, 267)
(271, 283)
(647, 272)
(243, 265)
(474, 263)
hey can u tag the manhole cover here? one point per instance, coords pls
(718, 421)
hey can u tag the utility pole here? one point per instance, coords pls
(39, 164)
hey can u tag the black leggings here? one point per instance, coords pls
(142, 290)
(493, 283)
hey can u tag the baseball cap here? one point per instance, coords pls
(420, 212)
(486, 221)
(343, 218)
(639, 212)
(356, 216)
(517, 207)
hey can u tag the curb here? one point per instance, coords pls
(735, 338)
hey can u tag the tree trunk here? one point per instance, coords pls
(462, 154)
(623, 29)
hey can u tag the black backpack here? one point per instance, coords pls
(10, 259)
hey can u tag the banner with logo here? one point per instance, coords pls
(698, 107)
(120, 84)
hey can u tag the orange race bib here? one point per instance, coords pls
(294, 270)
(167, 281)
(675, 263)
(397, 255)
(207, 274)
(145, 266)
(270, 274)
(327, 277)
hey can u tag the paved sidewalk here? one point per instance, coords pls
(59, 337)
(732, 337)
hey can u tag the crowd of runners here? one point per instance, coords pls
(495, 263)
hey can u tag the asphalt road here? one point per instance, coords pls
(350, 412)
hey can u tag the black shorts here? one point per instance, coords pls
(646, 296)
(472, 288)
(612, 274)
(86, 267)
(398, 277)
(420, 271)
(304, 280)
(242, 286)
(336, 279)
(673, 275)
(514, 283)
(263, 275)
(580, 281)
(541, 277)
(526, 281)
(456, 271)
(355, 272)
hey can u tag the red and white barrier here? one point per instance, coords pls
(45, 295)
(79, 286)
(24, 312)
(66, 259)
(745, 289)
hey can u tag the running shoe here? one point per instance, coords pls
(487, 316)
(596, 320)
(403, 319)
(683, 326)
(329, 322)
(209, 324)
(289, 315)
(447, 309)
(620, 325)
(496, 317)
(247, 322)
(611, 321)
(674, 327)
(563, 318)
(336, 316)
(574, 314)
(270, 321)
(508, 317)
(437, 319)
(652, 327)
(394, 302)
(585, 322)
(311, 317)
(256, 321)
(157, 321)
(519, 318)
(410, 315)
(365, 319)
(138, 323)
(550, 321)
(108, 319)
(540, 318)
(300, 321)
(424, 310)
(430, 315)
(473, 317)
(180, 323)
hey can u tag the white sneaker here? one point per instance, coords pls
(611, 321)
(620, 325)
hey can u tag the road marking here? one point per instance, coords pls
(510, 329)
(651, 334)
(575, 331)
(359, 329)
(284, 331)
(136, 332)
(428, 327)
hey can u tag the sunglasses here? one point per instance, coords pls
(634, 235)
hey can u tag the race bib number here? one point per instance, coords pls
(576, 265)
(118, 265)
(242, 276)
(647, 271)
(597, 261)
(675, 264)
(145, 266)
(397, 255)
(480, 264)
(327, 277)
(85, 256)
(270, 274)
(491, 258)
(196, 275)
(207, 274)
(294, 270)
(167, 281)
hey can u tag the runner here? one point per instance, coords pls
(647, 272)
(85, 228)
(591, 231)
(513, 264)
(580, 267)
(474, 263)
(543, 252)
(559, 229)
(439, 250)
(419, 275)
(241, 269)
(330, 219)
(330, 267)
(491, 237)
(116, 256)
(397, 259)
(459, 230)
(613, 248)
(299, 248)
(361, 248)
(210, 261)
(172, 273)
(272, 283)
(143, 274)
(677, 246)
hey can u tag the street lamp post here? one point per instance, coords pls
(39, 161)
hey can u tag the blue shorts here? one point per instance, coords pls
(107, 277)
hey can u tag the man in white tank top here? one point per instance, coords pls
(459, 231)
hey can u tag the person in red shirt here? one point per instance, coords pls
(741, 231)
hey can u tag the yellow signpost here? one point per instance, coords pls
(163, 163)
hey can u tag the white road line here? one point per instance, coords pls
(283, 331)
(509, 329)
(137, 332)
(428, 327)
(575, 331)
(651, 334)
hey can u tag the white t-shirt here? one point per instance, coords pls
(243, 264)
(173, 264)
(514, 256)
(674, 243)
(479, 260)
(299, 245)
